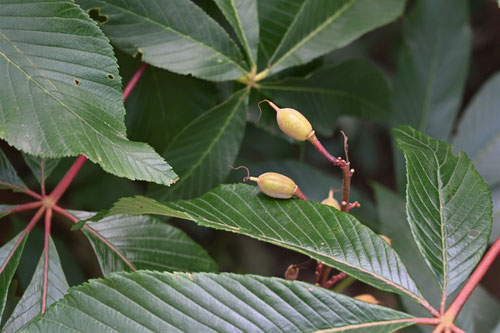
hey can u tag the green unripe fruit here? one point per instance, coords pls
(330, 201)
(276, 185)
(292, 123)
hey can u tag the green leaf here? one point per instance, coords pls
(7, 270)
(173, 34)
(30, 305)
(163, 103)
(53, 107)
(353, 87)
(146, 243)
(8, 175)
(35, 165)
(322, 26)
(479, 131)
(449, 207)
(204, 150)
(242, 15)
(432, 66)
(393, 223)
(165, 302)
(321, 232)
(275, 17)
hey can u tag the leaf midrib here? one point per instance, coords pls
(181, 34)
(311, 34)
(303, 249)
(372, 324)
(243, 34)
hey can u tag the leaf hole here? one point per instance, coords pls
(95, 14)
(110, 76)
(473, 234)
(76, 83)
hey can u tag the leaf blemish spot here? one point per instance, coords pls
(473, 233)
(110, 76)
(77, 83)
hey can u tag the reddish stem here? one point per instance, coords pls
(473, 281)
(317, 274)
(134, 80)
(298, 194)
(23, 207)
(426, 321)
(22, 189)
(67, 179)
(344, 166)
(48, 220)
(26, 230)
(334, 279)
(90, 229)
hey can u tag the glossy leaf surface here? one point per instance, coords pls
(165, 302)
(321, 26)
(173, 34)
(321, 232)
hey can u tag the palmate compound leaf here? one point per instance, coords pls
(449, 207)
(172, 34)
(321, 232)
(61, 91)
(121, 242)
(320, 26)
(30, 304)
(179, 302)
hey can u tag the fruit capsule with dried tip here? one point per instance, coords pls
(330, 201)
(276, 185)
(367, 298)
(292, 123)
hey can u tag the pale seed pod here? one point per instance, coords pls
(276, 185)
(292, 272)
(387, 239)
(292, 123)
(330, 201)
(367, 298)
